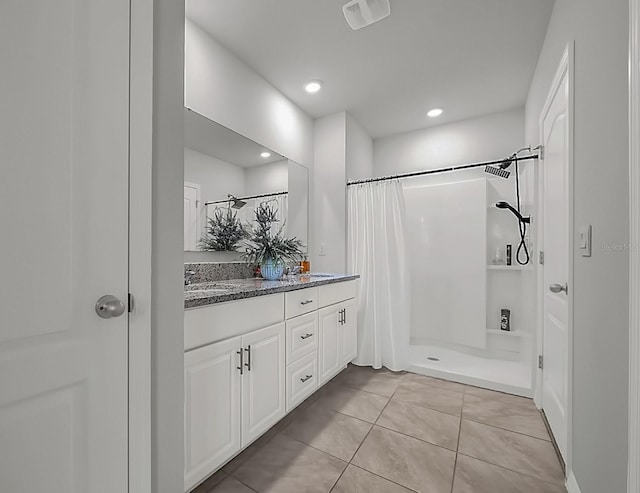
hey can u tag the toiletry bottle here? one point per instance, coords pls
(509, 254)
(306, 265)
(505, 320)
(498, 260)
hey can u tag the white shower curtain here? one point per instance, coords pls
(377, 252)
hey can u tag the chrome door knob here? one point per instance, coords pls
(109, 307)
(558, 288)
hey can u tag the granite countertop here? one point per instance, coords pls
(208, 293)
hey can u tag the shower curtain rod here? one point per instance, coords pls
(441, 170)
(247, 198)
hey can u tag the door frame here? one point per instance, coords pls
(633, 479)
(140, 241)
(196, 187)
(565, 67)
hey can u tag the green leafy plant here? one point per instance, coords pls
(264, 245)
(224, 232)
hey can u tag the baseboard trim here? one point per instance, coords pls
(572, 484)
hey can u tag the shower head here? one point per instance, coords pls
(236, 203)
(500, 169)
(506, 205)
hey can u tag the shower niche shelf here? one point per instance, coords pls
(509, 267)
(508, 333)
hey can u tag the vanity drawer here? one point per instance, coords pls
(330, 294)
(302, 336)
(302, 380)
(300, 302)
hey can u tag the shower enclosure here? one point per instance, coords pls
(460, 281)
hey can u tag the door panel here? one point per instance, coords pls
(212, 408)
(556, 267)
(64, 137)
(191, 223)
(329, 361)
(263, 384)
(349, 336)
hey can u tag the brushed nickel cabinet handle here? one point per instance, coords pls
(306, 302)
(303, 380)
(248, 363)
(306, 336)
(241, 367)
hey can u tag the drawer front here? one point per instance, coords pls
(302, 336)
(300, 302)
(302, 380)
(330, 294)
(224, 320)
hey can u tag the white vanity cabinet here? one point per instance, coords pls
(251, 361)
(338, 338)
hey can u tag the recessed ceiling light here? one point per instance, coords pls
(434, 112)
(265, 154)
(313, 86)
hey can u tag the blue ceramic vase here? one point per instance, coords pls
(271, 271)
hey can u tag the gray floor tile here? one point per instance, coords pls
(436, 398)
(510, 450)
(475, 476)
(353, 402)
(419, 422)
(382, 382)
(285, 465)
(420, 466)
(329, 431)
(211, 482)
(434, 382)
(231, 485)
(505, 411)
(356, 480)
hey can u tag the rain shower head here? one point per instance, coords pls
(507, 205)
(500, 169)
(236, 203)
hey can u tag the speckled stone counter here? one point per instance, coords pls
(208, 293)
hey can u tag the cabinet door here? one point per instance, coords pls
(349, 332)
(263, 384)
(211, 408)
(329, 361)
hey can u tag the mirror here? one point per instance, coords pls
(226, 176)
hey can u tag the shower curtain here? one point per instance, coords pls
(376, 242)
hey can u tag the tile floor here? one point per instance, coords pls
(371, 431)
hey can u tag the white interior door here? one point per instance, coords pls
(555, 198)
(64, 124)
(191, 216)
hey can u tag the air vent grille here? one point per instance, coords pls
(362, 13)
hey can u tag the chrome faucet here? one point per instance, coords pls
(188, 276)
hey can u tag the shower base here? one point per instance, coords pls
(513, 377)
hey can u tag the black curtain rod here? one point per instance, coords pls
(247, 198)
(440, 170)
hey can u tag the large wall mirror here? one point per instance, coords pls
(226, 177)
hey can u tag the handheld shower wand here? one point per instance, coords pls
(507, 205)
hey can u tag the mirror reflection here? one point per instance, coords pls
(226, 177)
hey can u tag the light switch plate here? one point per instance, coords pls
(584, 241)
(323, 249)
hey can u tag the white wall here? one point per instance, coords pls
(216, 178)
(167, 294)
(601, 327)
(478, 139)
(359, 151)
(268, 178)
(225, 89)
(329, 195)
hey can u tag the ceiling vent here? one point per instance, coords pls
(361, 13)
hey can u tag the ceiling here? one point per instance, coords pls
(469, 57)
(213, 139)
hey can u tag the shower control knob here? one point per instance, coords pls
(109, 307)
(558, 288)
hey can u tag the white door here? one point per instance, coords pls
(555, 204)
(349, 332)
(212, 408)
(263, 382)
(64, 122)
(329, 361)
(191, 216)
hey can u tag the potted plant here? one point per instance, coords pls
(224, 231)
(271, 251)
